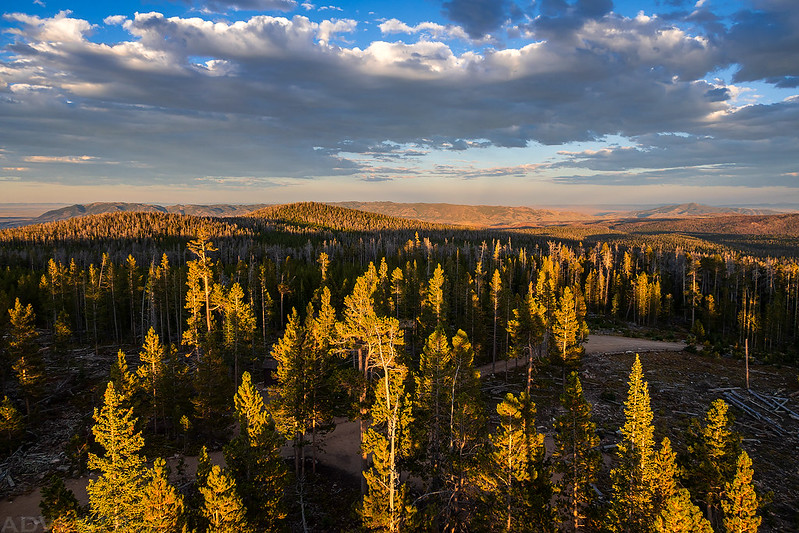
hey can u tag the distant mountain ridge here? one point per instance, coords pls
(696, 210)
(491, 216)
(495, 216)
(99, 208)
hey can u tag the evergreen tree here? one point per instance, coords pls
(59, 502)
(665, 475)
(432, 406)
(466, 431)
(567, 330)
(213, 389)
(223, 509)
(115, 496)
(24, 353)
(254, 459)
(713, 449)
(433, 307)
(516, 446)
(386, 505)
(527, 328)
(238, 326)
(631, 505)
(740, 501)
(162, 504)
(11, 425)
(680, 515)
(151, 375)
(578, 458)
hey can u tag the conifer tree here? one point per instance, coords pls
(115, 496)
(432, 406)
(665, 475)
(567, 328)
(11, 425)
(238, 326)
(59, 502)
(223, 508)
(740, 501)
(631, 505)
(680, 515)
(151, 374)
(713, 449)
(515, 447)
(466, 431)
(290, 406)
(162, 504)
(203, 266)
(527, 328)
(125, 382)
(578, 458)
(496, 289)
(254, 459)
(62, 332)
(24, 353)
(386, 505)
(433, 310)
(213, 389)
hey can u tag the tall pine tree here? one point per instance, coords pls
(115, 496)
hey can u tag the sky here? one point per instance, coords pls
(513, 102)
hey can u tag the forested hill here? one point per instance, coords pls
(99, 208)
(691, 210)
(786, 225)
(470, 215)
(333, 217)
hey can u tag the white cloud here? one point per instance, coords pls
(437, 31)
(60, 28)
(76, 159)
(115, 20)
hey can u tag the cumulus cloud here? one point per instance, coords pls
(222, 6)
(479, 17)
(188, 97)
(431, 29)
(764, 42)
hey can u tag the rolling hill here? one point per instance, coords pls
(99, 208)
(470, 215)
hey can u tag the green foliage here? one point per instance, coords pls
(578, 459)
(253, 458)
(23, 352)
(11, 425)
(162, 504)
(58, 501)
(680, 515)
(713, 449)
(223, 508)
(740, 501)
(633, 477)
(516, 451)
(115, 496)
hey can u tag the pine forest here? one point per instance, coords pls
(309, 367)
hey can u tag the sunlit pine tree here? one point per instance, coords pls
(740, 500)
(223, 508)
(631, 502)
(254, 460)
(115, 496)
(680, 515)
(162, 503)
(577, 455)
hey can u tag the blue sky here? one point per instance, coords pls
(550, 102)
